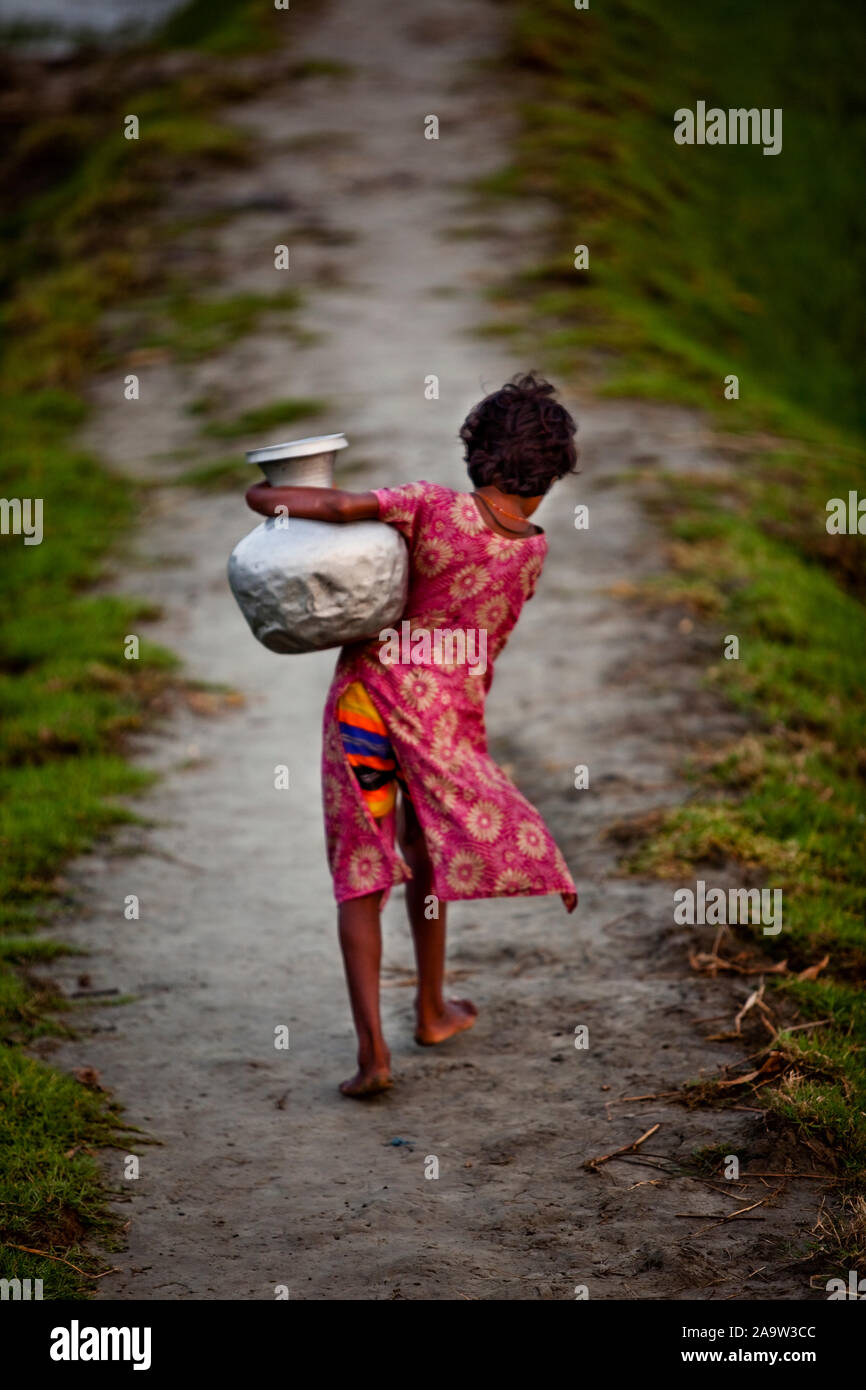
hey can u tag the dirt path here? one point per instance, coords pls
(264, 1175)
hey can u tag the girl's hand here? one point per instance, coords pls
(570, 900)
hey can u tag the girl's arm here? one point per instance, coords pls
(314, 503)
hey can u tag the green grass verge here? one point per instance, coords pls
(705, 262)
(51, 1195)
(74, 245)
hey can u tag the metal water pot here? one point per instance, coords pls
(306, 585)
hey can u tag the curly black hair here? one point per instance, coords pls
(519, 438)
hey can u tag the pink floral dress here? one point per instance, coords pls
(484, 838)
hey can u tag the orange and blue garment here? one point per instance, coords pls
(368, 750)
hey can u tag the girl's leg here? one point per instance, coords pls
(361, 943)
(438, 1018)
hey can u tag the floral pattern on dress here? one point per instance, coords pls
(484, 837)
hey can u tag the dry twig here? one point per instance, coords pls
(29, 1250)
(593, 1163)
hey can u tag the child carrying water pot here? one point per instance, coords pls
(405, 747)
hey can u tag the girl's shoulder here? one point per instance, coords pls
(435, 491)
(412, 507)
(428, 498)
(419, 491)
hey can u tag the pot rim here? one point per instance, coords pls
(298, 448)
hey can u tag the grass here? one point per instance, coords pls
(221, 475)
(705, 262)
(67, 692)
(76, 242)
(321, 67)
(788, 802)
(52, 1196)
(191, 326)
(265, 417)
(223, 28)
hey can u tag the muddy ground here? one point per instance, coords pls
(262, 1174)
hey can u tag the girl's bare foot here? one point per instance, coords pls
(570, 900)
(367, 1081)
(455, 1017)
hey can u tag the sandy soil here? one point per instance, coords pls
(262, 1174)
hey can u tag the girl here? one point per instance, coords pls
(410, 714)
